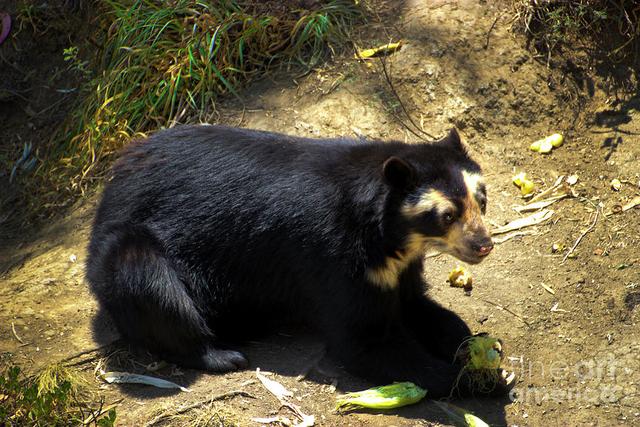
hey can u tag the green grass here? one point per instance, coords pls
(168, 62)
(56, 396)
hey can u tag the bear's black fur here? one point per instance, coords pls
(202, 229)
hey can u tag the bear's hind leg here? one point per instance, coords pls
(148, 300)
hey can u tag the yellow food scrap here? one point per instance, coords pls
(556, 140)
(482, 355)
(517, 179)
(485, 352)
(616, 184)
(384, 397)
(460, 278)
(383, 50)
(526, 186)
(547, 144)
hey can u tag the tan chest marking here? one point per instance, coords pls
(388, 274)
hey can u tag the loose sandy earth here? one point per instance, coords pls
(570, 329)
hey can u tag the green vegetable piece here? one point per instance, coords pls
(384, 397)
(460, 416)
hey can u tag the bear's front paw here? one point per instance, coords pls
(214, 360)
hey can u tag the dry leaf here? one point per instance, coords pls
(527, 221)
(129, 378)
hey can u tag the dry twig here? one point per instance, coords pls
(387, 77)
(85, 352)
(495, 21)
(575, 245)
(15, 334)
(501, 307)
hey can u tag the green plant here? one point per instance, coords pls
(70, 55)
(167, 62)
(610, 26)
(54, 397)
(32, 16)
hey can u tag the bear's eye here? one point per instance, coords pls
(448, 218)
(483, 205)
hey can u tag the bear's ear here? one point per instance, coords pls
(453, 140)
(398, 173)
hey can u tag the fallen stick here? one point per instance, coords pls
(15, 334)
(495, 21)
(575, 245)
(500, 307)
(387, 77)
(91, 350)
(101, 411)
(503, 239)
(548, 191)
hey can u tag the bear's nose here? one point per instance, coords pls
(483, 248)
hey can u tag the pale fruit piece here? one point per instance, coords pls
(460, 278)
(556, 139)
(616, 184)
(535, 146)
(545, 146)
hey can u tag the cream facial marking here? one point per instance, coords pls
(469, 223)
(472, 210)
(387, 275)
(431, 200)
(473, 182)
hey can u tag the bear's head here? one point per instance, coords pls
(442, 198)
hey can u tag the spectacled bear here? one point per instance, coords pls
(204, 228)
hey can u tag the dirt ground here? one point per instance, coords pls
(569, 328)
